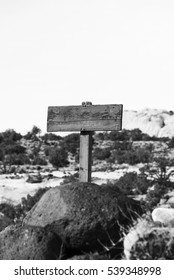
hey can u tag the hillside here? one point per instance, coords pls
(154, 122)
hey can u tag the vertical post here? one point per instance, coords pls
(85, 156)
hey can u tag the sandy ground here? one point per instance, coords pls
(12, 190)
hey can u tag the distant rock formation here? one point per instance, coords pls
(154, 122)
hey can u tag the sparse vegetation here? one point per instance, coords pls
(112, 149)
(132, 184)
(71, 143)
(58, 157)
(101, 154)
(51, 137)
(131, 156)
(9, 136)
(171, 143)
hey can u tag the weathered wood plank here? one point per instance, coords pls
(89, 118)
(85, 156)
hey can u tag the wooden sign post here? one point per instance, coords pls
(86, 119)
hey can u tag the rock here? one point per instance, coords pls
(134, 234)
(154, 122)
(34, 179)
(86, 216)
(165, 216)
(156, 244)
(146, 241)
(4, 221)
(171, 201)
(22, 243)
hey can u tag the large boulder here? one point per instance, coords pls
(23, 243)
(164, 216)
(86, 216)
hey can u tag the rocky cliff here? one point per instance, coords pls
(154, 122)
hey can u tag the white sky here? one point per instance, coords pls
(63, 52)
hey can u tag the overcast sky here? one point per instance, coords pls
(63, 52)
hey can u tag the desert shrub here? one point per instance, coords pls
(136, 134)
(101, 154)
(122, 145)
(47, 151)
(132, 183)
(58, 157)
(12, 148)
(118, 135)
(35, 130)
(9, 136)
(8, 210)
(1, 138)
(133, 135)
(154, 196)
(171, 143)
(36, 149)
(28, 136)
(71, 143)
(141, 184)
(118, 153)
(158, 173)
(51, 137)
(16, 159)
(164, 139)
(39, 161)
(155, 138)
(125, 183)
(7, 160)
(138, 155)
(146, 137)
(1, 154)
(129, 208)
(113, 157)
(33, 134)
(12, 154)
(132, 157)
(125, 135)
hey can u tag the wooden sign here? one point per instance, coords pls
(86, 119)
